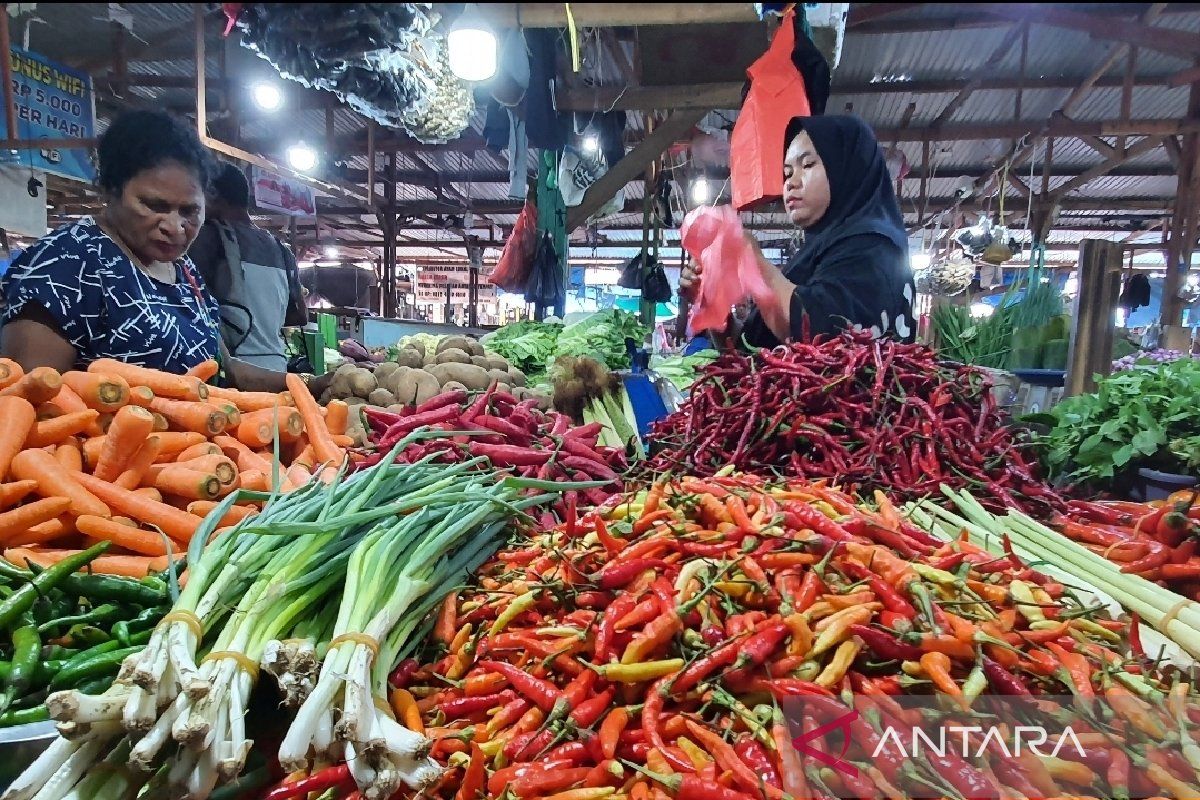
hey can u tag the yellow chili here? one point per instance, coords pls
(835, 670)
(637, 673)
(802, 635)
(1070, 771)
(836, 629)
(733, 588)
(1026, 603)
(1177, 788)
(461, 638)
(515, 609)
(690, 749)
(405, 708)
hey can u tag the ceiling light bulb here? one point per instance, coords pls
(267, 96)
(590, 144)
(331, 251)
(301, 157)
(920, 261)
(700, 193)
(472, 47)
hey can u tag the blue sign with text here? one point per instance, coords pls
(52, 101)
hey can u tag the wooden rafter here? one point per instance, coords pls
(633, 164)
(1163, 40)
(1141, 148)
(982, 71)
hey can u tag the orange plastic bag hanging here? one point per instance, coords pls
(777, 94)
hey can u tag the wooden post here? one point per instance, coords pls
(1183, 222)
(388, 292)
(1092, 314)
(10, 106)
(201, 88)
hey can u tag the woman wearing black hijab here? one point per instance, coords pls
(852, 269)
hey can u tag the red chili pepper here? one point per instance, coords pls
(616, 576)
(543, 781)
(541, 693)
(465, 706)
(610, 543)
(328, 778)
(401, 676)
(589, 711)
(885, 645)
(891, 598)
(651, 713)
(604, 636)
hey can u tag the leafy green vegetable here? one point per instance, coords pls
(1142, 417)
(602, 336)
(525, 344)
(682, 370)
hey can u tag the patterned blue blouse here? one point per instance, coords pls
(107, 307)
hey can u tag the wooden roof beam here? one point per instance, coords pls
(980, 72)
(615, 15)
(1164, 40)
(1058, 126)
(1141, 148)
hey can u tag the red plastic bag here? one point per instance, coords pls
(714, 237)
(516, 260)
(777, 94)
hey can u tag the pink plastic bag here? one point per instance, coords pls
(714, 237)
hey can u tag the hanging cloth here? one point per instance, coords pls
(777, 95)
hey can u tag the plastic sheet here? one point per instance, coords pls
(714, 237)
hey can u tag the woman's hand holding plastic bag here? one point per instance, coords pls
(728, 265)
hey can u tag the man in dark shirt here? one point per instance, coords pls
(251, 273)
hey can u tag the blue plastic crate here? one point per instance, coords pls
(648, 406)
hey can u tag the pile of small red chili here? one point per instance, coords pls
(867, 413)
(511, 434)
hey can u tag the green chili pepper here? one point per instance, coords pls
(101, 614)
(25, 716)
(23, 599)
(144, 621)
(514, 610)
(85, 636)
(31, 699)
(975, 683)
(26, 648)
(45, 671)
(83, 669)
(112, 589)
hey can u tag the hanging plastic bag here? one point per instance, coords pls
(714, 237)
(516, 260)
(776, 95)
(547, 284)
(577, 171)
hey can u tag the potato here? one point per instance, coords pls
(381, 397)
(430, 360)
(345, 367)
(468, 375)
(498, 376)
(453, 355)
(516, 377)
(504, 388)
(325, 397)
(475, 349)
(452, 386)
(416, 386)
(339, 387)
(481, 361)
(454, 343)
(355, 401)
(362, 383)
(496, 362)
(410, 357)
(383, 369)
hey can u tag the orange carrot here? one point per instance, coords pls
(173, 442)
(205, 370)
(19, 417)
(250, 401)
(105, 421)
(337, 417)
(126, 566)
(141, 395)
(51, 410)
(286, 418)
(235, 514)
(298, 475)
(322, 442)
(198, 451)
(98, 391)
(161, 423)
(178, 387)
(150, 493)
(55, 481)
(219, 465)
(203, 418)
(53, 431)
(69, 455)
(10, 372)
(15, 492)
(343, 441)
(39, 385)
(233, 416)
(130, 428)
(181, 481)
(254, 481)
(243, 456)
(255, 431)
(51, 530)
(148, 543)
(306, 458)
(18, 520)
(125, 521)
(177, 524)
(69, 402)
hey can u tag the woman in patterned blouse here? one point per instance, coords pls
(120, 285)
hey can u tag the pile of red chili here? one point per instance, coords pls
(510, 433)
(1159, 542)
(868, 413)
(638, 651)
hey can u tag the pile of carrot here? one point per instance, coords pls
(139, 457)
